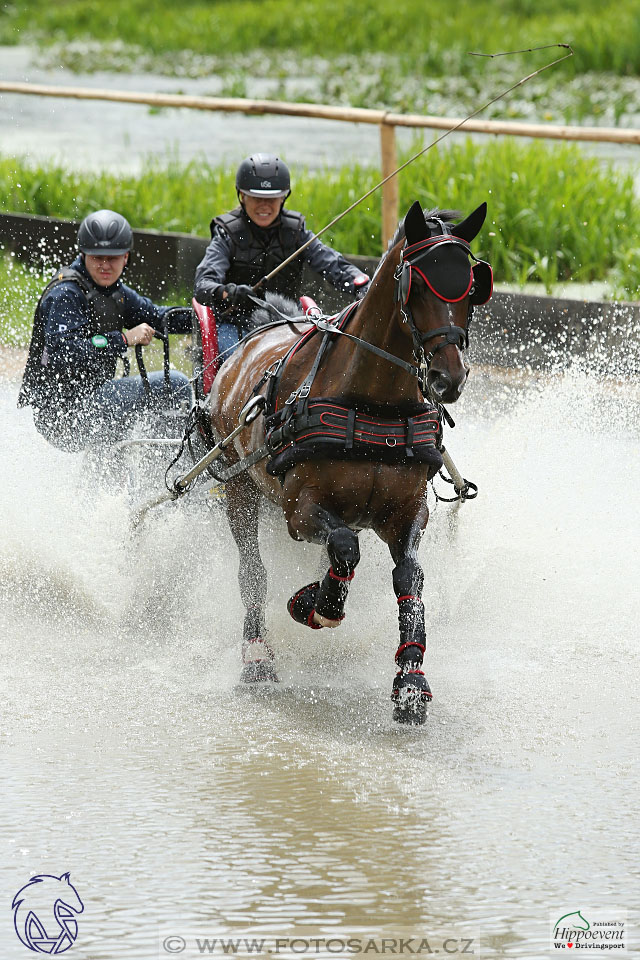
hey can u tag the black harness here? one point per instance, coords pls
(339, 429)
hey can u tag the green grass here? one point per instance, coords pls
(20, 287)
(554, 213)
(427, 37)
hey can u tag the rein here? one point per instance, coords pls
(420, 372)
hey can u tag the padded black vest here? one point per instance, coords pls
(105, 315)
(257, 250)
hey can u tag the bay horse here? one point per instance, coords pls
(355, 426)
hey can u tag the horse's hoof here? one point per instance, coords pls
(324, 621)
(259, 671)
(411, 695)
(257, 659)
(301, 606)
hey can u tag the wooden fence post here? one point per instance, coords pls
(389, 190)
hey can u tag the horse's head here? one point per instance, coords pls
(436, 288)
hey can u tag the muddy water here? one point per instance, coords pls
(184, 807)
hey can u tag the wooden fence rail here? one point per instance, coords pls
(384, 119)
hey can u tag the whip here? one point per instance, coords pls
(434, 143)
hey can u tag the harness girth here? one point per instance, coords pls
(307, 427)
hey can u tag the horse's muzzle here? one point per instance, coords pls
(443, 388)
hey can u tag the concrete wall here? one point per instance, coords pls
(512, 329)
(161, 261)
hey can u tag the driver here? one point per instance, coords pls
(85, 321)
(254, 238)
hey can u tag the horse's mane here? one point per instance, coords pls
(448, 216)
(262, 315)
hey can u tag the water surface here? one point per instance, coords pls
(180, 803)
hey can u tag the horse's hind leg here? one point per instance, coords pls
(242, 500)
(410, 693)
(321, 604)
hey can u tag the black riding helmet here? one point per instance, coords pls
(105, 232)
(263, 175)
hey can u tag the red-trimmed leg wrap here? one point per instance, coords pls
(412, 633)
(302, 604)
(254, 625)
(332, 595)
(411, 682)
(257, 662)
(409, 654)
(256, 650)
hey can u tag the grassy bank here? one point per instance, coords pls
(20, 287)
(554, 214)
(605, 36)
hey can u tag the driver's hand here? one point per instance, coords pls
(142, 334)
(239, 295)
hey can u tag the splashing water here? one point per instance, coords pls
(132, 760)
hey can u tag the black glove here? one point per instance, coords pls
(238, 295)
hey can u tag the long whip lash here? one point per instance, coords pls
(564, 46)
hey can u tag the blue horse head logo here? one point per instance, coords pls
(44, 914)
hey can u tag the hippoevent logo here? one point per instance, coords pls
(581, 930)
(44, 913)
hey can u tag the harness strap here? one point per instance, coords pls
(328, 328)
(325, 325)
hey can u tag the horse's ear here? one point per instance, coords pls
(471, 225)
(415, 227)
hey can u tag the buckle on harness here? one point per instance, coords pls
(324, 325)
(302, 392)
(274, 369)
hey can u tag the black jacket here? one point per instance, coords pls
(242, 252)
(77, 336)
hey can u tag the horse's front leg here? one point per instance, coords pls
(242, 502)
(321, 604)
(410, 693)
